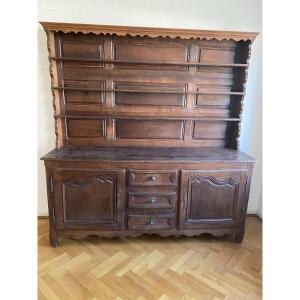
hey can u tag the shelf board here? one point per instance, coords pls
(151, 63)
(146, 91)
(100, 116)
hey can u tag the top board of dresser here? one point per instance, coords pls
(148, 154)
(154, 87)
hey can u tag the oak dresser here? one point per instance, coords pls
(147, 123)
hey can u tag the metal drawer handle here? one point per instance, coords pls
(152, 199)
(151, 222)
(152, 178)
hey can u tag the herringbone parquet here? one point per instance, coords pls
(151, 267)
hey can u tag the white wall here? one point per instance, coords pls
(240, 15)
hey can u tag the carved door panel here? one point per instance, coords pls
(88, 198)
(211, 198)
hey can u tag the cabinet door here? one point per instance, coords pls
(88, 198)
(211, 198)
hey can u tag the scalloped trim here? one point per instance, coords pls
(149, 32)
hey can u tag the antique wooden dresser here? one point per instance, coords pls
(147, 122)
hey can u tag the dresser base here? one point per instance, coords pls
(129, 192)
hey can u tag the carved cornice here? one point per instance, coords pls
(149, 31)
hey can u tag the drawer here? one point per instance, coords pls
(152, 178)
(152, 200)
(150, 222)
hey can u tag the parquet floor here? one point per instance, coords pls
(151, 267)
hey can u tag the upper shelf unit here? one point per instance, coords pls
(138, 86)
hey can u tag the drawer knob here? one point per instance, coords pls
(152, 178)
(152, 199)
(151, 222)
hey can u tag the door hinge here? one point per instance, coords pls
(51, 184)
(53, 215)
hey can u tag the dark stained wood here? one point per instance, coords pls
(212, 130)
(149, 129)
(115, 76)
(150, 154)
(147, 122)
(151, 200)
(71, 87)
(85, 128)
(94, 199)
(152, 177)
(84, 92)
(147, 64)
(157, 205)
(141, 222)
(212, 197)
(146, 94)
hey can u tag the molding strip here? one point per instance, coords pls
(149, 31)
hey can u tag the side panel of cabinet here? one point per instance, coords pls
(212, 198)
(89, 199)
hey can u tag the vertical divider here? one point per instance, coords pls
(188, 127)
(110, 129)
(194, 57)
(109, 84)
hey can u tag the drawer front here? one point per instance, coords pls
(153, 178)
(149, 222)
(152, 200)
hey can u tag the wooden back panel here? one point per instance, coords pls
(124, 90)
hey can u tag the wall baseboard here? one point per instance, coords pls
(43, 217)
(256, 215)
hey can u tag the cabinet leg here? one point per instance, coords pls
(53, 238)
(238, 237)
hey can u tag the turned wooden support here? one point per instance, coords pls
(238, 237)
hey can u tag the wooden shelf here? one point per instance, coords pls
(145, 91)
(204, 119)
(151, 63)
